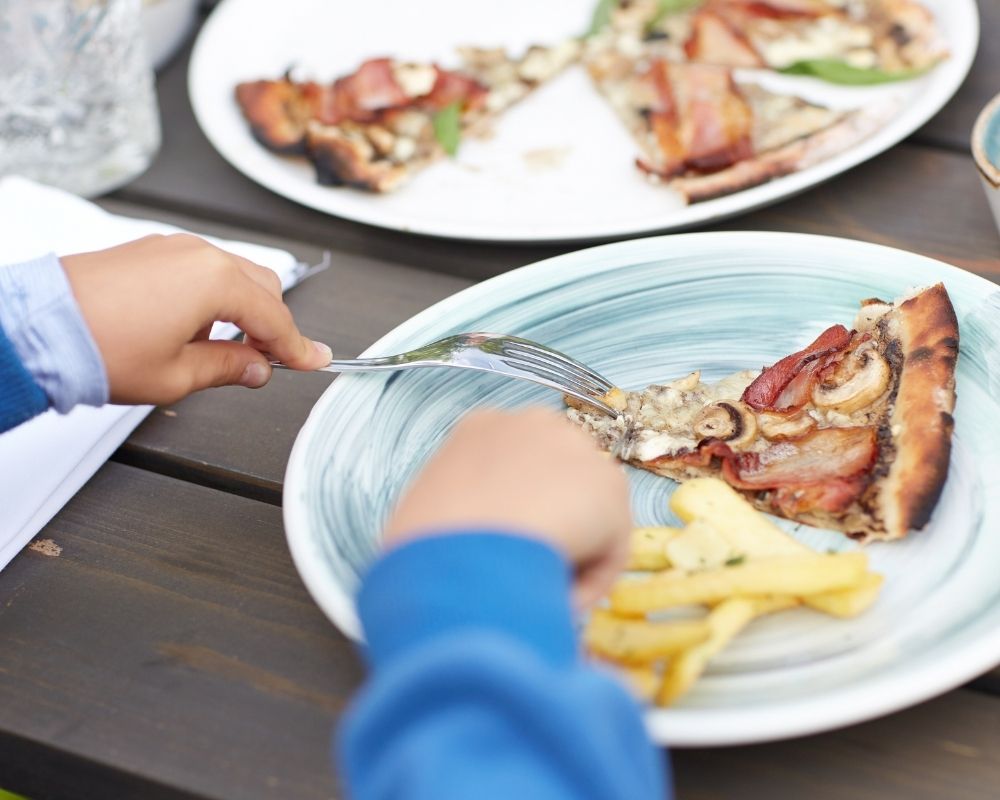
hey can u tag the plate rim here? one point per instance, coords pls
(717, 727)
(683, 218)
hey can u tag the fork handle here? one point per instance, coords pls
(355, 364)
(398, 362)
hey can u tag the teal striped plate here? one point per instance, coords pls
(645, 311)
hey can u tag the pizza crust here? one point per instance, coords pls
(851, 128)
(921, 421)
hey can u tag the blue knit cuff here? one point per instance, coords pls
(20, 397)
(45, 326)
(482, 580)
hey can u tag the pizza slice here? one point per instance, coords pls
(373, 129)
(853, 432)
(707, 134)
(844, 41)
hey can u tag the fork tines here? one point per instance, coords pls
(556, 366)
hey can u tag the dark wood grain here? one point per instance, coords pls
(942, 749)
(952, 126)
(170, 646)
(169, 651)
(921, 199)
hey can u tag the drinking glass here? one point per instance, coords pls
(77, 101)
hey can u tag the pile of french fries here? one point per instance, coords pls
(728, 558)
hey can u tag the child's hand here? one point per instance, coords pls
(150, 305)
(530, 472)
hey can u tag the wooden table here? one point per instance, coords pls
(171, 650)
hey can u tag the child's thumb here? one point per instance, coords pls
(224, 363)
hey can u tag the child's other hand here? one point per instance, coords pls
(530, 472)
(150, 305)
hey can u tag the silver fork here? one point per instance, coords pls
(493, 352)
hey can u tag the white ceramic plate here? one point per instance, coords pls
(560, 165)
(652, 309)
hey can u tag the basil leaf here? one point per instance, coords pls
(448, 128)
(664, 8)
(829, 69)
(601, 17)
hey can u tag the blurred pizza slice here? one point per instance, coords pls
(707, 135)
(373, 129)
(843, 41)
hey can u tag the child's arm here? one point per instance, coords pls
(130, 324)
(477, 687)
(21, 398)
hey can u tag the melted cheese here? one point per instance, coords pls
(541, 63)
(415, 80)
(781, 119)
(658, 421)
(827, 37)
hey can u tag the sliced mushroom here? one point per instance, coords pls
(860, 380)
(778, 426)
(733, 423)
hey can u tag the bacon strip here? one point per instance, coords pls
(715, 40)
(821, 456)
(702, 457)
(701, 121)
(777, 9)
(825, 470)
(371, 91)
(720, 118)
(833, 495)
(664, 120)
(373, 87)
(798, 392)
(766, 390)
(453, 87)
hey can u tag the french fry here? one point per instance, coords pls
(774, 603)
(648, 547)
(700, 546)
(725, 621)
(747, 530)
(642, 681)
(847, 603)
(729, 557)
(755, 536)
(790, 575)
(630, 641)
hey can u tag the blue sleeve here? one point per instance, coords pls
(47, 332)
(20, 397)
(478, 689)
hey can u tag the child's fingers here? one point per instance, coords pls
(269, 325)
(267, 278)
(220, 363)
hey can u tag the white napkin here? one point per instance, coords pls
(44, 462)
